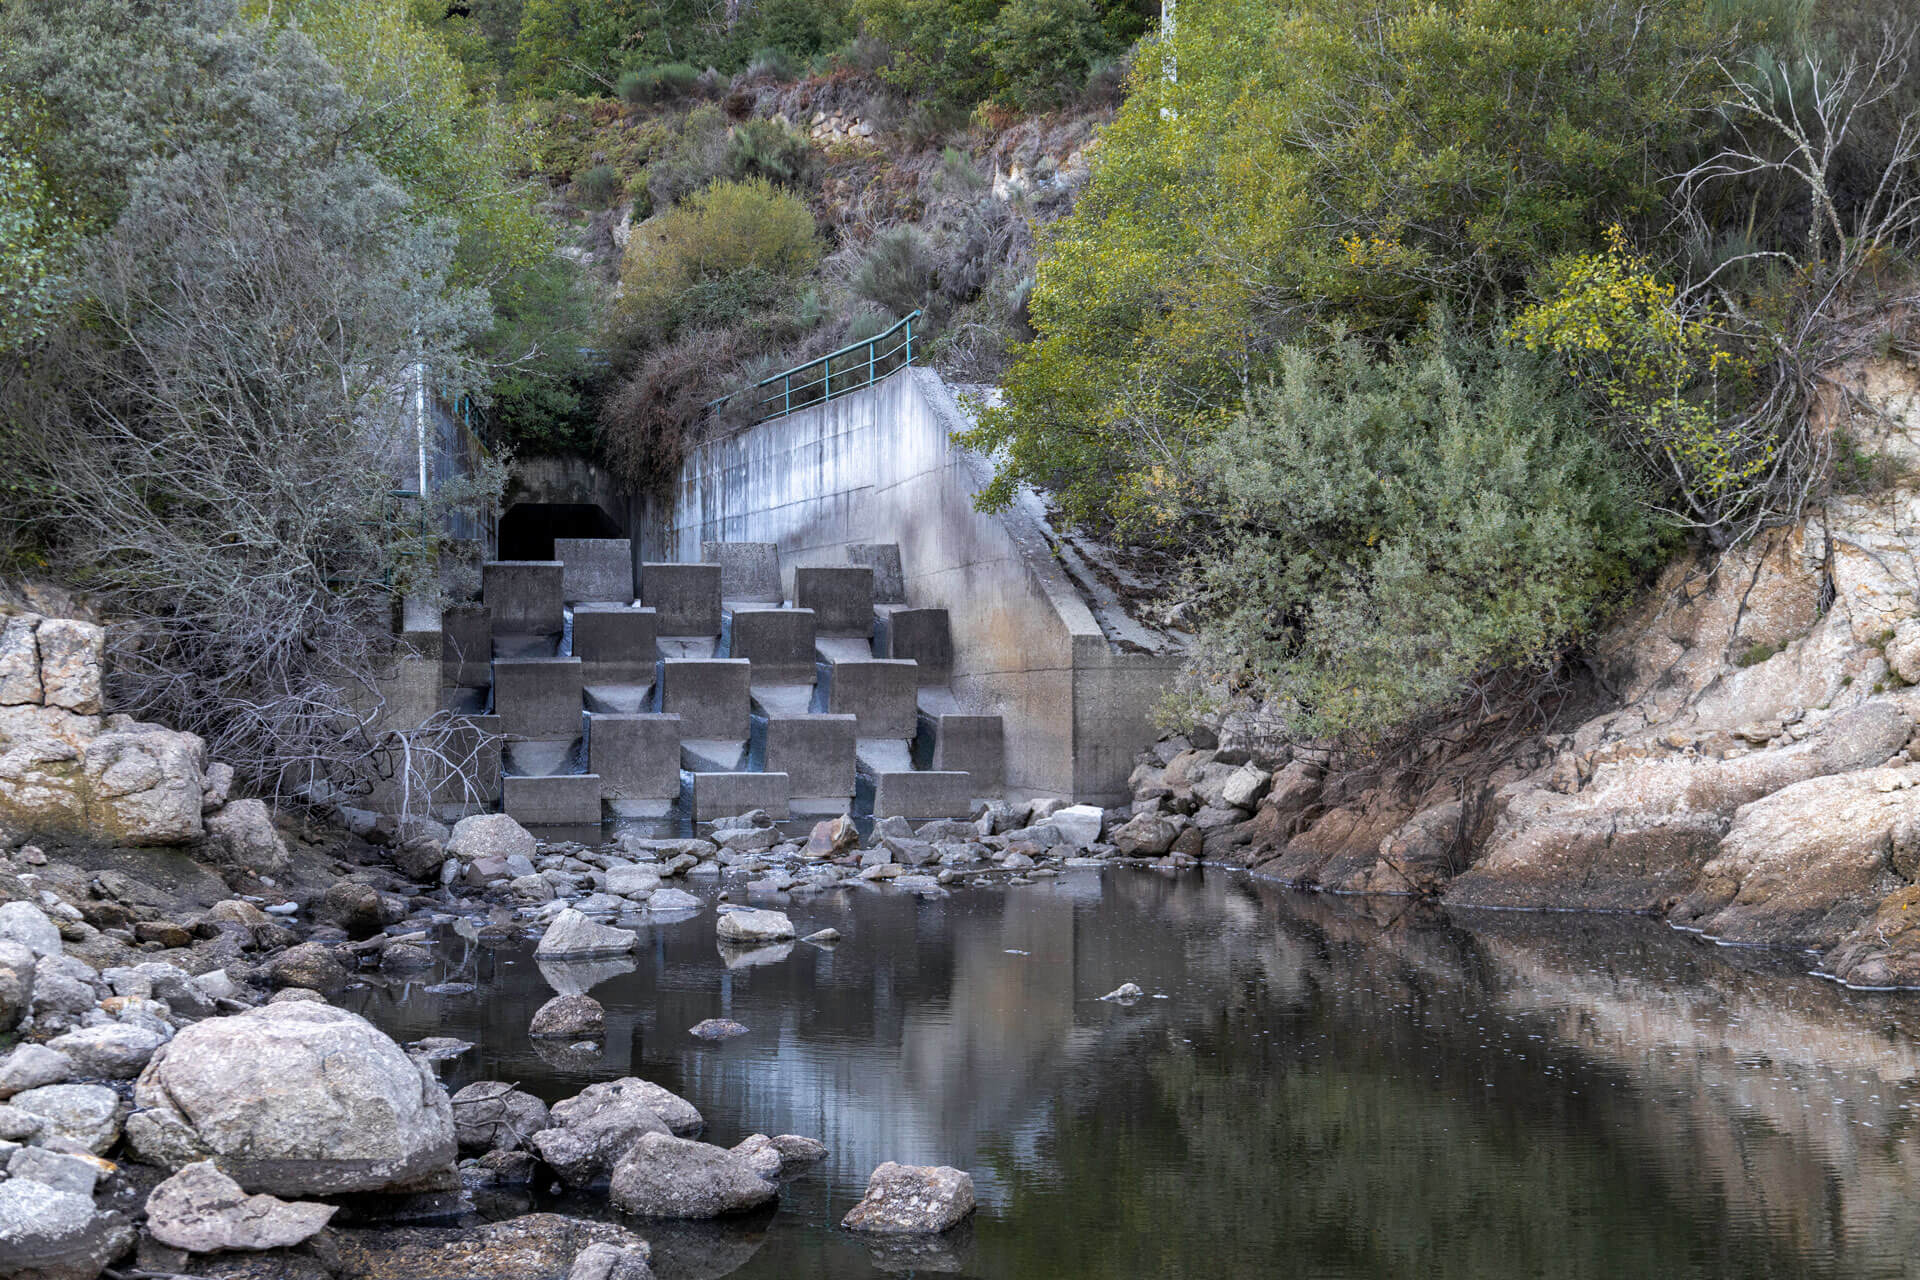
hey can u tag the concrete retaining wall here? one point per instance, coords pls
(877, 467)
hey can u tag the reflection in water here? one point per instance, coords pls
(1328, 1087)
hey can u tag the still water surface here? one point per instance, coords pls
(1316, 1088)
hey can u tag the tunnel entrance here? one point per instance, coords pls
(528, 529)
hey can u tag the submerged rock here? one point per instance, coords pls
(717, 1029)
(1125, 993)
(535, 1246)
(294, 1099)
(907, 1199)
(202, 1210)
(667, 1177)
(609, 1262)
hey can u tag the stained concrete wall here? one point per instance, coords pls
(880, 466)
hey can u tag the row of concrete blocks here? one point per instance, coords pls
(574, 799)
(602, 569)
(529, 597)
(709, 697)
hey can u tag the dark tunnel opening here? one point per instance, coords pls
(528, 529)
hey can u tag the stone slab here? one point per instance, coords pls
(749, 571)
(524, 596)
(779, 642)
(466, 646)
(595, 569)
(636, 757)
(922, 794)
(686, 597)
(538, 697)
(889, 583)
(924, 635)
(712, 696)
(970, 744)
(723, 795)
(881, 692)
(616, 643)
(840, 595)
(816, 752)
(561, 799)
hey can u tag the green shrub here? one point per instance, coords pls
(665, 83)
(1391, 529)
(695, 158)
(768, 149)
(598, 187)
(728, 250)
(897, 271)
(773, 64)
(1042, 50)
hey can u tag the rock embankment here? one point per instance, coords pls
(1751, 774)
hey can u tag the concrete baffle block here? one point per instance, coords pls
(686, 597)
(816, 752)
(749, 571)
(524, 596)
(779, 643)
(889, 583)
(841, 597)
(970, 744)
(712, 696)
(923, 635)
(637, 757)
(538, 697)
(466, 647)
(596, 570)
(723, 795)
(615, 643)
(558, 799)
(922, 794)
(882, 692)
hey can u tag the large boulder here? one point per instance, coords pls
(573, 935)
(28, 925)
(754, 926)
(17, 963)
(679, 1115)
(244, 835)
(202, 1210)
(297, 1098)
(666, 1177)
(490, 835)
(71, 655)
(144, 784)
(20, 661)
(588, 1146)
(907, 1199)
(570, 1017)
(111, 1051)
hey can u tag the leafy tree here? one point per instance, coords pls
(1325, 158)
(1041, 50)
(544, 379)
(36, 236)
(1033, 52)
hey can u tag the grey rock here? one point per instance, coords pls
(679, 1115)
(19, 1126)
(294, 1099)
(610, 1262)
(573, 936)
(28, 925)
(17, 963)
(490, 835)
(716, 1029)
(310, 965)
(1125, 993)
(665, 901)
(632, 880)
(219, 786)
(202, 1210)
(492, 1114)
(823, 937)
(754, 926)
(112, 1052)
(89, 1114)
(61, 1170)
(531, 889)
(588, 1145)
(50, 1234)
(796, 1150)
(245, 837)
(912, 1199)
(30, 1066)
(761, 1155)
(667, 1177)
(1079, 824)
(569, 1017)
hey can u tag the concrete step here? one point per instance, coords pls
(466, 646)
(880, 691)
(924, 635)
(686, 597)
(538, 697)
(620, 699)
(889, 583)
(775, 699)
(595, 570)
(545, 644)
(543, 757)
(841, 596)
(817, 754)
(616, 643)
(525, 597)
(749, 571)
(972, 744)
(562, 799)
(637, 757)
(712, 696)
(724, 795)
(713, 755)
(779, 642)
(918, 795)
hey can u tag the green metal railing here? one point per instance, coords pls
(838, 373)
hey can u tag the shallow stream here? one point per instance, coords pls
(1313, 1087)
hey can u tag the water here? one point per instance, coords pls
(1329, 1088)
